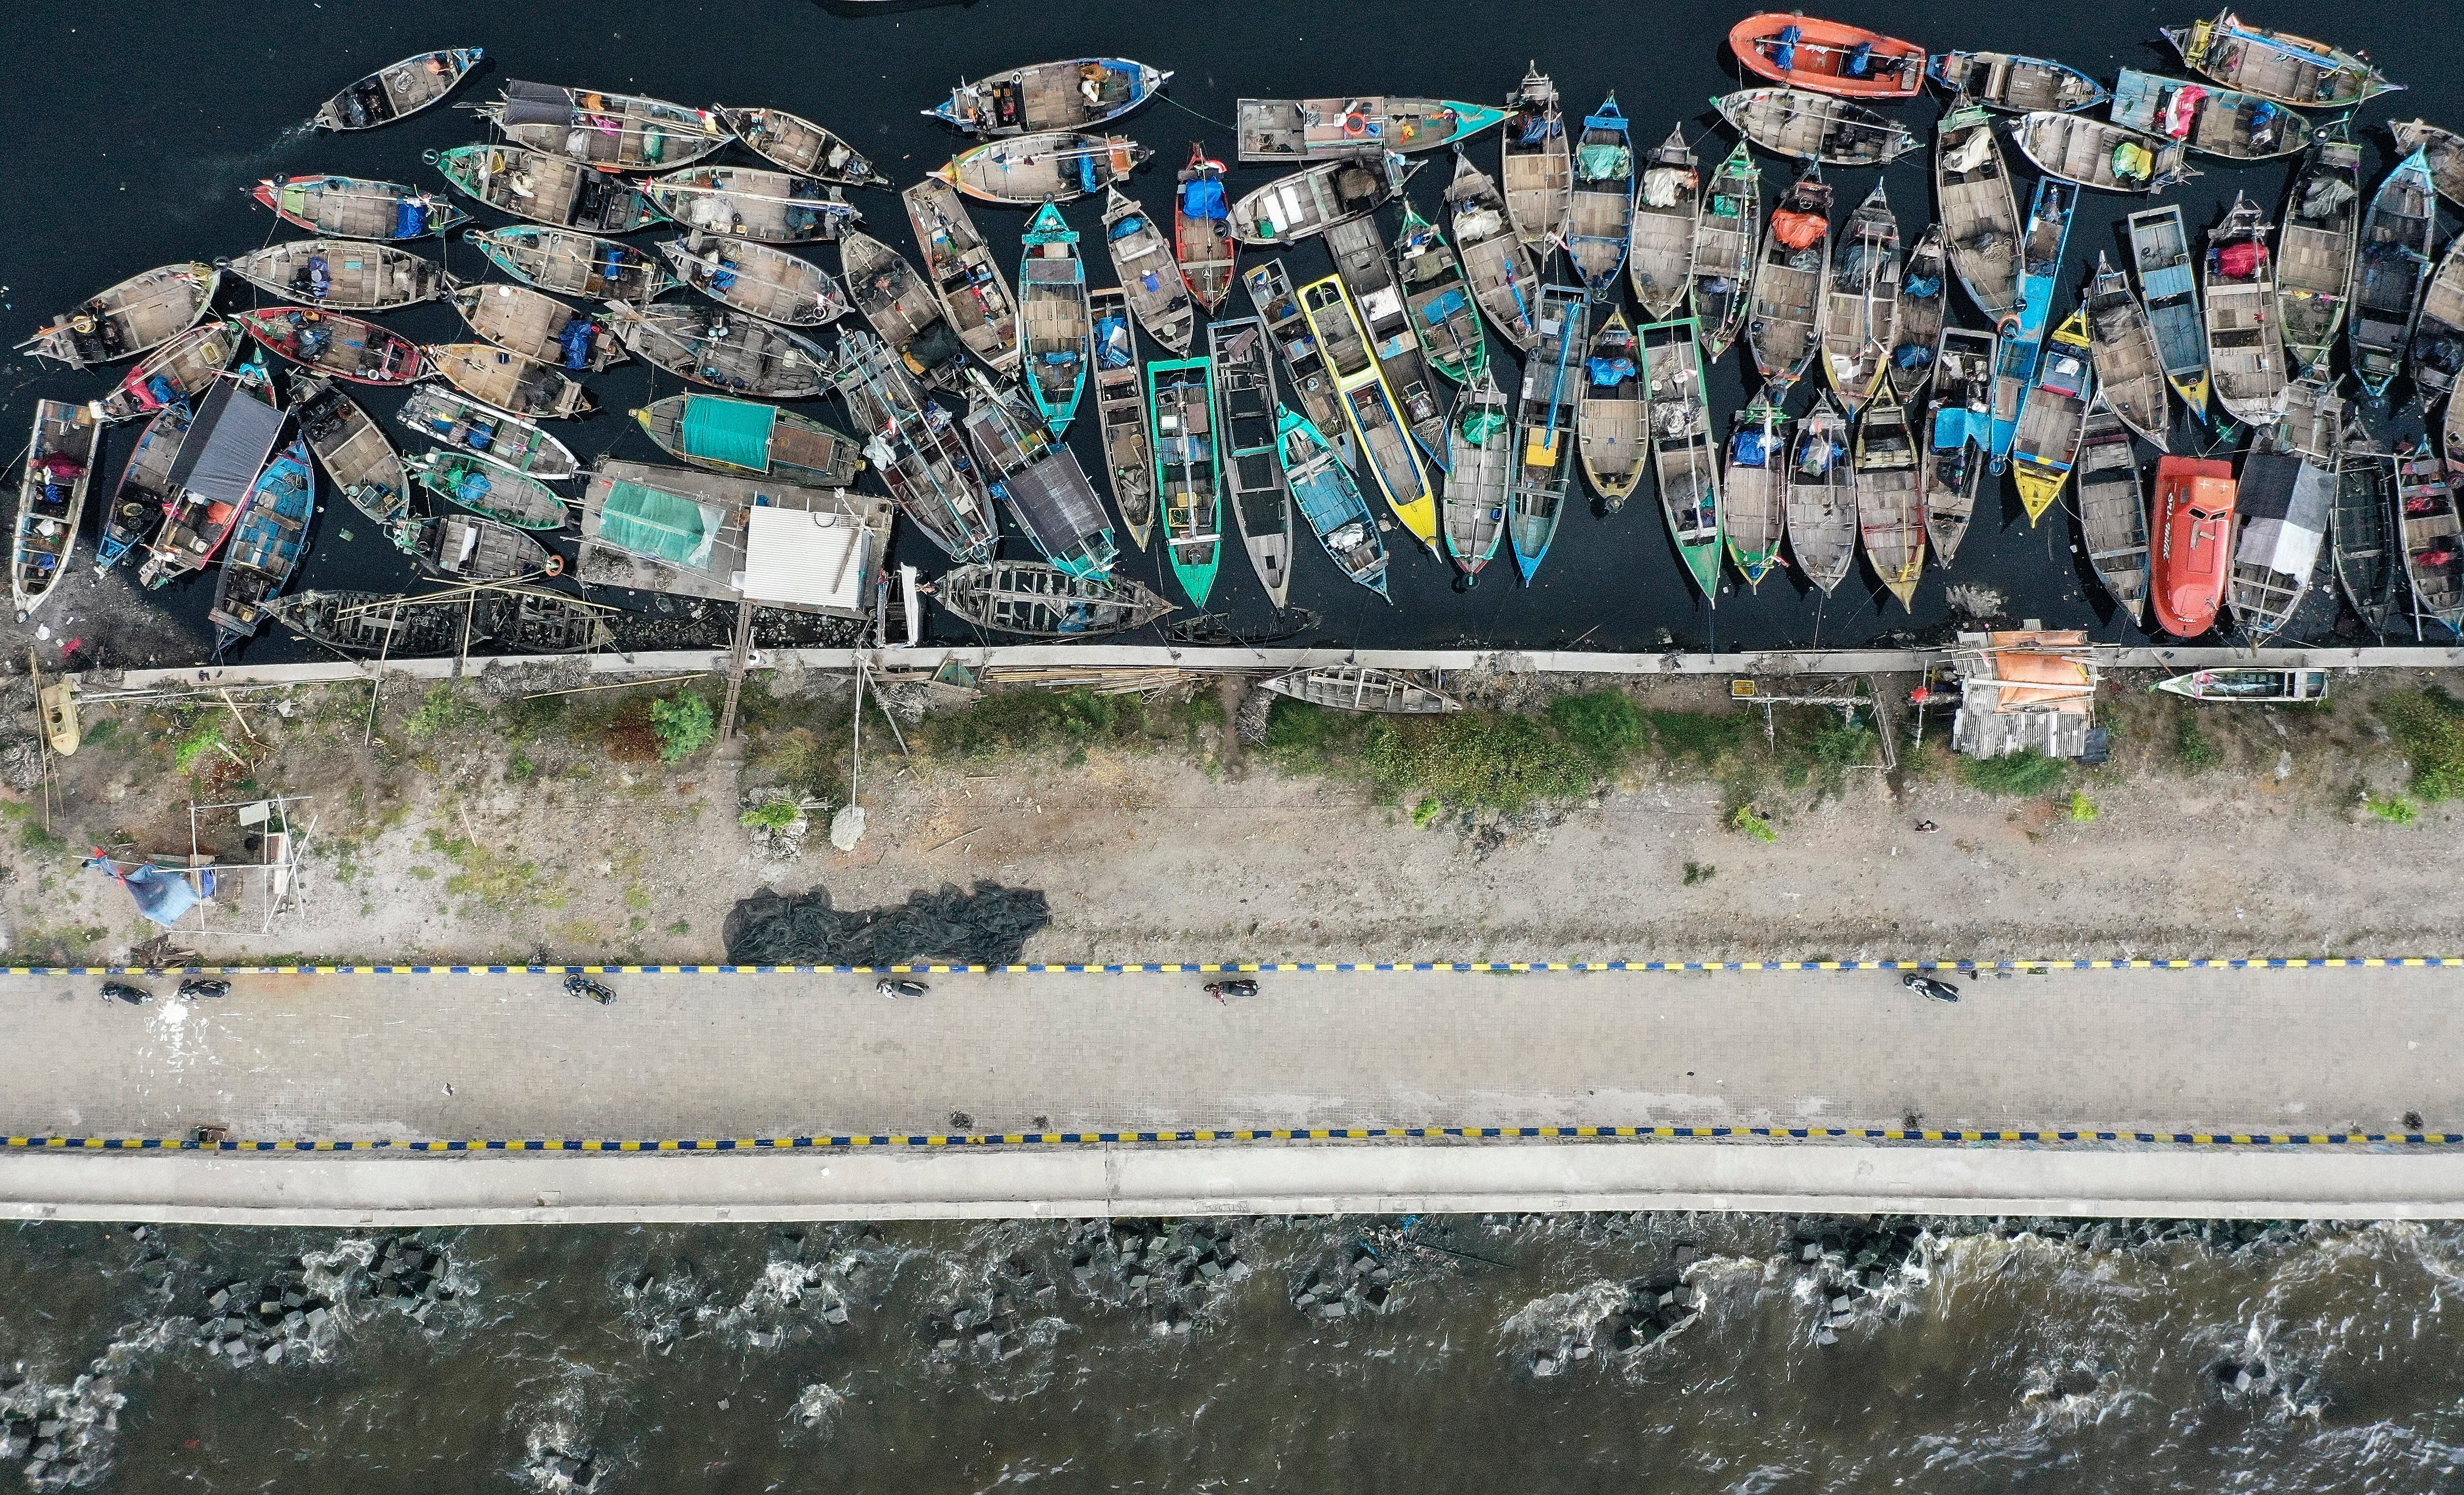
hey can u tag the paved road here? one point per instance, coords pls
(371, 1057)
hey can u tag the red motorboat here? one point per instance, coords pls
(329, 342)
(2194, 525)
(1808, 52)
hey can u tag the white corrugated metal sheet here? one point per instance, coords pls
(802, 557)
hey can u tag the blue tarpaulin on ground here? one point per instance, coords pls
(162, 893)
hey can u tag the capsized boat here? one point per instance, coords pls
(2445, 149)
(233, 436)
(342, 274)
(965, 277)
(2047, 442)
(1189, 470)
(1038, 600)
(1536, 165)
(2193, 537)
(1958, 435)
(2245, 340)
(1358, 688)
(1685, 454)
(398, 90)
(266, 543)
(1387, 325)
(355, 208)
(2212, 122)
(1437, 299)
(536, 325)
(903, 310)
(1480, 463)
(2014, 85)
(1201, 229)
(712, 347)
(1815, 127)
(508, 382)
(1827, 57)
(499, 493)
(346, 347)
(2129, 367)
(137, 503)
(535, 186)
(2023, 332)
(2434, 538)
(756, 280)
(1073, 95)
(1319, 129)
(2284, 506)
(2438, 352)
(1051, 168)
(455, 420)
(2276, 65)
(2361, 530)
(1660, 259)
(794, 144)
(754, 203)
(1039, 479)
(174, 374)
(1121, 410)
(1858, 325)
(606, 131)
(2250, 687)
(2113, 510)
(1727, 236)
(352, 449)
(1306, 375)
(1753, 491)
(918, 449)
(1609, 415)
(2397, 236)
(374, 622)
(1381, 422)
(2320, 248)
(464, 547)
(1329, 501)
(1599, 223)
(2160, 250)
(1159, 297)
(571, 263)
(1980, 217)
(1302, 204)
(1544, 427)
(1247, 413)
(2100, 154)
(1788, 285)
(1054, 328)
(137, 315)
(1504, 278)
(1822, 497)
(51, 501)
(719, 434)
(1890, 513)
(1922, 304)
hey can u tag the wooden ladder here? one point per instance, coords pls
(739, 651)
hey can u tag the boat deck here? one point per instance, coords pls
(509, 382)
(751, 203)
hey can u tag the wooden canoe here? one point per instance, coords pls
(452, 419)
(1144, 265)
(135, 317)
(1815, 127)
(545, 189)
(708, 431)
(1075, 93)
(573, 263)
(179, 371)
(756, 279)
(1201, 231)
(605, 131)
(795, 144)
(1536, 165)
(1051, 168)
(536, 325)
(346, 347)
(974, 295)
(1923, 303)
(1038, 600)
(399, 90)
(1890, 512)
(2129, 366)
(754, 203)
(732, 354)
(508, 382)
(464, 547)
(1503, 276)
(51, 501)
(356, 275)
(352, 449)
(355, 208)
(2113, 512)
(1958, 437)
(1359, 688)
(1822, 497)
(489, 490)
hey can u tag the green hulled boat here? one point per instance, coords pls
(1684, 452)
(1189, 469)
(484, 488)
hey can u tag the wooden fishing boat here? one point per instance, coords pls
(1480, 463)
(1248, 420)
(2258, 686)
(1536, 165)
(570, 263)
(1959, 436)
(2160, 250)
(1158, 295)
(266, 543)
(484, 488)
(2397, 236)
(756, 279)
(1498, 264)
(1599, 223)
(1822, 528)
(1073, 95)
(2436, 355)
(754, 203)
(1329, 503)
(1753, 491)
(2193, 539)
(1320, 129)
(174, 374)
(228, 444)
(1727, 237)
(2212, 122)
(540, 187)
(2245, 342)
(346, 347)
(2276, 65)
(2113, 510)
(1388, 330)
(1544, 427)
(1189, 470)
(1038, 479)
(1609, 431)
(1815, 127)
(718, 435)
(2315, 416)
(2100, 154)
(1890, 515)
(1858, 322)
(136, 504)
(2451, 441)
(2444, 148)
(1121, 410)
(355, 207)
(1788, 285)
(508, 382)
(1358, 688)
(2047, 442)
(398, 90)
(1378, 419)
(919, 451)
(797, 144)
(1980, 217)
(536, 325)
(1052, 168)
(137, 315)
(1306, 376)
(2014, 85)
(2284, 506)
(2360, 530)
(1660, 260)
(1438, 301)
(1037, 601)
(2129, 367)
(2319, 250)
(1921, 307)
(463, 548)
(965, 277)
(528, 621)
(903, 310)
(1302, 204)
(352, 449)
(2023, 332)
(732, 354)
(51, 501)
(1685, 453)
(343, 274)
(1054, 327)
(605, 131)
(1827, 57)
(373, 622)
(457, 421)
(2434, 538)
(1201, 229)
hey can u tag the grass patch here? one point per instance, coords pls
(2193, 747)
(1604, 726)
(1711, 739)
(2028, 773)
(35, 840)
(2396, 809)
(684, 725)
(2428, 726)
(484, 875)
(1698, 873)
(520, 768)
(441, 710)
(1747, 821)
(196, 743)
(2082, 809)
(681, 927)
(1479, 759)
(1019, 721)
(771, 815)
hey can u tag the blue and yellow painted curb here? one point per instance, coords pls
(1474, 967)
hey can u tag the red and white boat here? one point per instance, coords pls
(346, 347)
(1808, 52)
(2195, 499)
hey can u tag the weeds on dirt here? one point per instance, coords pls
(443, 709)
(2429, 727)
(1747, 821)
(1604, 726)
(2081, 810)
(2191, 745)
(1698, 873)
(2021, 774)
(196, 741)
(2396, 809)
(773, 815)
(684, 725)
(1024, 720)
(1475, 760)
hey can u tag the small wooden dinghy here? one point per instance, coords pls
(1959, 437)
(1272, 130)
(1859, 323)
(756, 279)
(1753, 491)
(2285, 507)
(484, 488)
(723, 351)
(536, 325)
(966, 279)
(1437, 300)
(1787, 287)
(1728, 240)
(1121, 410)
(1537, 164)
(2129, 368)
(346, 347)
(1919, 311)
(1544, 427)
(1660, 259)
(2397, 236)
(527, 620)
(1038, 600)
(2438, 351)
(266, 543)
(2193, 536)
(1890, 513)
(343, 274)
(137, 315)
(1822, 527)
(2276, 65)
(722, 435)
(571, 263)
(509, 382)
(2320, 248)
(1306, 375)
(2434, 538)
(1358, 688)
(2014, 85)
(919, 451)
(1051, 168)
(463, 548)
(797, 144)
(1073, 95)
(1827, 57)
(1157, 294)
(2160, 252)
(1815, 127)
(457, 421)
(374, 622)
(2047, 443)
(355, 207)
(545, 189)
(753, 203)
(1201, 229)
(1480, 460)
(607, 132)
(1496, 263)
(2360, 530)
(1980, 216)
(1037, 480)
(2212, 122)
(2245, 340)
(2250, 687)
(903, 310)
(174, 374)
(228, 444)
(1189, 470)
(1609, 431)
(1304, 204)
(1245, 403)
(2443, 148)
(1599, 221)
(1055, 333)
(398, 90)
(352, 449)
(2113, 510)
(51, 501)
(1685, 454)
(145, 489)
(2099, 154)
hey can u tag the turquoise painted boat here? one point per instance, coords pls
(2023, 331)
(265, 544)
(1329, 500)
(1189, 469)
(1053, 324)
(1544, 427)
(1685, 453)
(1439, 300)
(483, 486)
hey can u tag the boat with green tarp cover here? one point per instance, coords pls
(723, 435)
(664, 526)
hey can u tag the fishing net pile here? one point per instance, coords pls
(989, 926)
